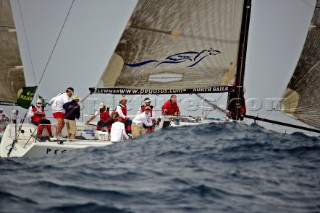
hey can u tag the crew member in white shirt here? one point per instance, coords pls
(57, 108)
(147, 102)
(118, 130)
(140, 122)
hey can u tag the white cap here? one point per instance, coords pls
(1, 109)
(75, 97)
(122, 99)
(39, 101)
(14, 111)
(101, 105)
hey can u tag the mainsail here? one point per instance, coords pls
(184, 46)
(11, 71)
(301, 99)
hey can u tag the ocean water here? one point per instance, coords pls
(207, 168)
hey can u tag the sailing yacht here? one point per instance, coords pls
(183, 47)
(178, 47)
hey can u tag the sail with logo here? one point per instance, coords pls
(176, 47)
(11, 70)
(301, 98)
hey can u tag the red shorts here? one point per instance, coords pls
(58, 115)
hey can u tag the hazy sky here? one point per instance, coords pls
(277, 33)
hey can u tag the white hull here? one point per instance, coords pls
(28, 146)
(41, 149)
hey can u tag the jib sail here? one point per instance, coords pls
(301, 99)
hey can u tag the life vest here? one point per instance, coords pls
(115, 113)
(143, 109)
(104, 116)
(36, 118)
(124, 110)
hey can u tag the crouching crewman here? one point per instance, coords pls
(37, 115)
(141, 122)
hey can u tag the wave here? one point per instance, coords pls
(85, 208)
(205, 168)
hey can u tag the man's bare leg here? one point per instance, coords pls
(59, 126)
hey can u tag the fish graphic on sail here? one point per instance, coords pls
(176, 47)
(11, 69)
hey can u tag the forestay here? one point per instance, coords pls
(176, 47)
(301, 99)
(11, 71)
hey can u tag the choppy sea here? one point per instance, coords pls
(207, 168)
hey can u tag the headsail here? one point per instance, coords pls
(11, 71)
(177, 45)
(301, 99)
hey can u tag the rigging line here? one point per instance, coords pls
(211, 104)
(25, 34)
(65, 20)
(216, 103)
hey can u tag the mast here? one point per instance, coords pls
(236, 100)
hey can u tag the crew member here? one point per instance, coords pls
(4, 120)
(140, 122)
(118, 130)
(57, 108)
(147, 102)
(72, 112)
(37, 115)
(122, 112)
(171, 107)
(105, 118)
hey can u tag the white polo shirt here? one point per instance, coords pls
(141, 119)
(57, 105)
(117, 132)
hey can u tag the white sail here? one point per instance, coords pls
(301, 98)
